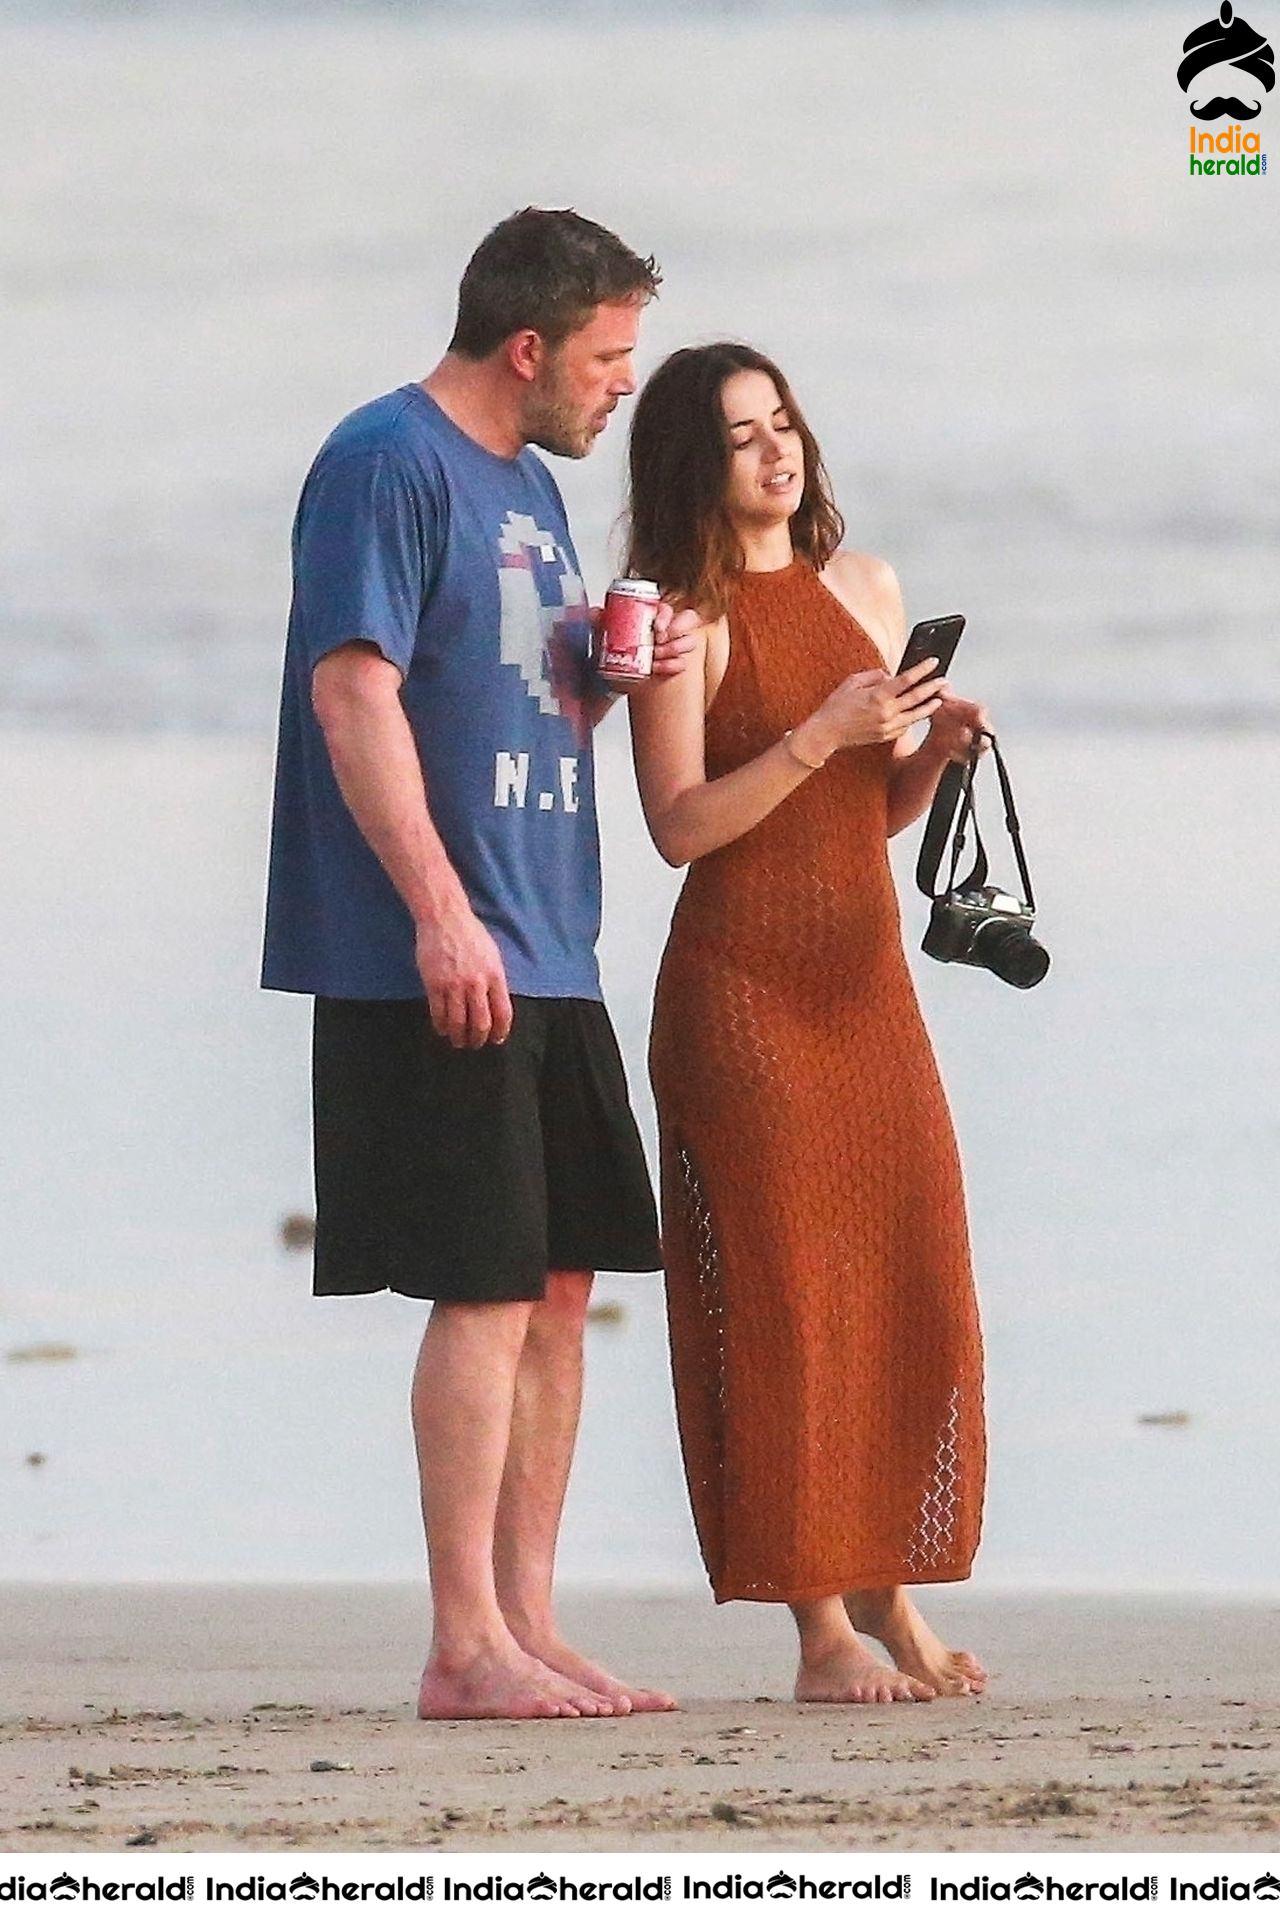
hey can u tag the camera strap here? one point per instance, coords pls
(957, 784)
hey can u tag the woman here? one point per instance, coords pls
(824, 1331)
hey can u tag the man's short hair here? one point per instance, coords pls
(547, 269)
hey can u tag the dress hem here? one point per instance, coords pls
(828, 1590)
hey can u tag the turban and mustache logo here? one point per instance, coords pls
(1227, 41)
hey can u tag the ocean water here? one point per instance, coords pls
(1038, 355)
(1039, 358)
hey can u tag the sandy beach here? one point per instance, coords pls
(268, 1719)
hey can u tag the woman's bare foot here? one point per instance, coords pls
(848, 1674)
(891, 1616)
(836, 1667)
(505, 1683)
(555, 1653)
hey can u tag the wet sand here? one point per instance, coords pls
(266, 1719)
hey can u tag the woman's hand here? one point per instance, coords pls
(953, 726)
(871, 707)
(674, 641)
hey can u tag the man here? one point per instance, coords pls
(434, 840)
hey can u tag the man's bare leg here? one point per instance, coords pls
(891, 1616)
(836, 1668)
(463, 1391)
(544, 1426)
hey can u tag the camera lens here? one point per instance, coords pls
(1011, 954)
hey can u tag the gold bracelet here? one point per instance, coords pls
(814, 766)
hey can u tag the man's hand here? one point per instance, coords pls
(465, 979)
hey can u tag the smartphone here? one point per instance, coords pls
(933, 639)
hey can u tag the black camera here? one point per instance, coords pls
(987, 928)
(973, 923)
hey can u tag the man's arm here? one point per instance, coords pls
(599, 701)
(356, 696)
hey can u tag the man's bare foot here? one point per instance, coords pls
(891, 1616)
(555, 1653)
(505, 1684)
(848, 1674)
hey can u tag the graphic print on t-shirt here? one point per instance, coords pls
(460, 567)
(542, 604)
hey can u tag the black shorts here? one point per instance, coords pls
(466, 1174)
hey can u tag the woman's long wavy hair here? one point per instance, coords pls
(679, 532)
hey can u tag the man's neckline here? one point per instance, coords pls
(505, 461)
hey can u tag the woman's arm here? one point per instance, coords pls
(913, 781)
(917, 766)
(917, 769)
(689, 815)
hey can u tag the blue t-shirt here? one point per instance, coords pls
(457, 564)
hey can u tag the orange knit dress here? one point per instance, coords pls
(824, 1331)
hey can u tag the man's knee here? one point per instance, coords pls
(500, 1323)
(565, 1301)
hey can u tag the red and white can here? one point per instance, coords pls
(625, 650)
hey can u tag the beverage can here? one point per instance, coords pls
(625, 650)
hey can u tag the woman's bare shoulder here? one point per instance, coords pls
(869, 588)
(865, 574)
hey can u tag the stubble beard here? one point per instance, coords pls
(553, 423)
